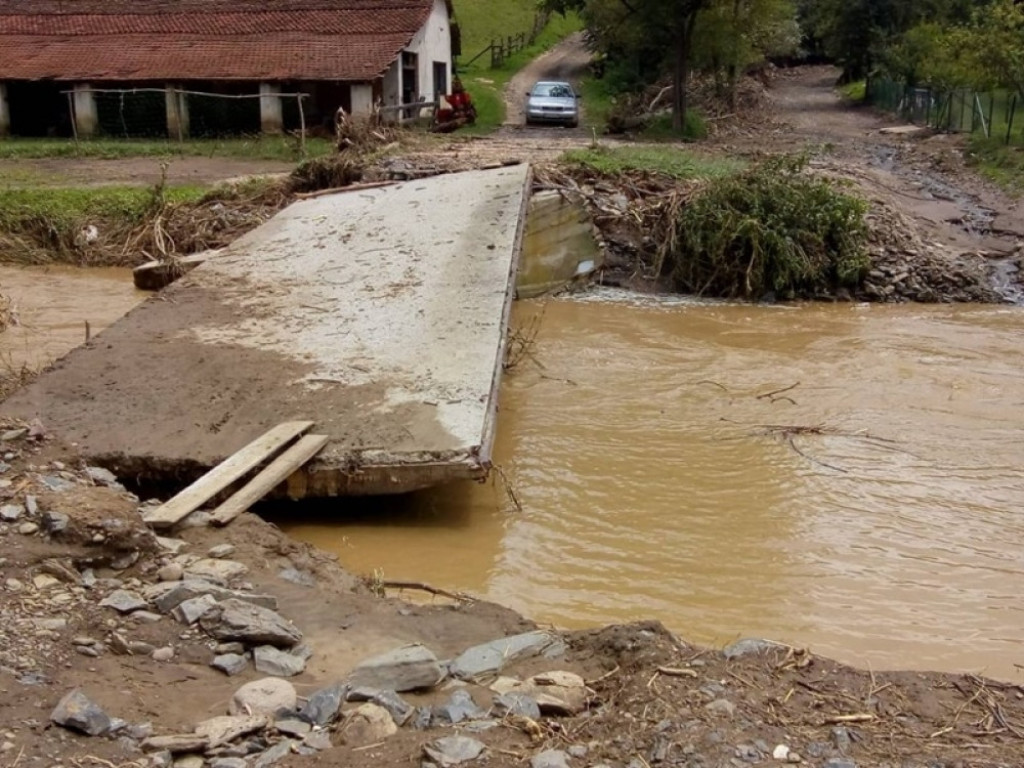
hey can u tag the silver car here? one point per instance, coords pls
(553, 102)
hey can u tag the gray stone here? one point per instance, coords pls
(174, 546)
(578, 750)
(721, 707)
(163, 654)
(841, 738)
(840, 762)
(11, 512)
(270, 696)
(229, 648)
(55, 522)
(319, 740)
(162, 759)
(221, 550)
(230, 663)
(229, 762)
(217, 571)
(453, 750)
(77, 712)
(403, 669)
(140, 731)
(550, 758)
(189, 761)
(272, 661)
(165, 596)
(556, 693)
(124, 601)
(234, 619)
(748, 647)
(293, 727)
(275, 753)
(226, 728)
(514, 703)
(31, 505)
(399, 709)
(102, 476)
(487, 660)
(28, 528)
(190, 611)
(367, 724)
(56, 484)
(323, 706)
(13, 434)
(171, 572)
(460, 707)
(295, 576)
(145, 617)
(303, 651)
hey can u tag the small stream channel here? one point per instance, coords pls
(872, 512)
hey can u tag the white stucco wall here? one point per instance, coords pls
(432, 43)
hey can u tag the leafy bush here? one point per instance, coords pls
(771, 228)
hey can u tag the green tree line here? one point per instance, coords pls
(942, 43)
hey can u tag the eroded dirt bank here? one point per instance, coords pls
(163, 638)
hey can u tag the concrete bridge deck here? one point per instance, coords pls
(379, 314)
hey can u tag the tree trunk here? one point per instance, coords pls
(681, 72)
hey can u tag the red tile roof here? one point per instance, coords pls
(172, 40)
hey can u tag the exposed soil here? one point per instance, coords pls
(72, 537)
(136, 171)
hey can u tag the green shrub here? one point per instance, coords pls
(770, 228)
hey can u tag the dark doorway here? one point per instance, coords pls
(39, 108)
(440, 78)
(410, 79)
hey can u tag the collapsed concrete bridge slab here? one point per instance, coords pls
(379, 314)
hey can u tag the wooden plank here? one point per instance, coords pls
(225, 473)
(269, 478)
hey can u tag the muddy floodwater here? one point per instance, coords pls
(874, 512)
(52, 305)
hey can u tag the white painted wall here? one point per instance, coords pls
(361, 98)
(86, 118)
(271, 112)
(432, 43)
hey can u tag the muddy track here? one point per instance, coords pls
(566, 61)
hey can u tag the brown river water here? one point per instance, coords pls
(874, 512)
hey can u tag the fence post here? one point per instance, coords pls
(302, 125)
(991, 113)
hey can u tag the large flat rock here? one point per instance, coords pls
(380, 314)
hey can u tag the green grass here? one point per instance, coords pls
(998, 161)
(598, 101)
(661, 129)
(68, 205)
(671, 160)
(486, 86)
(262, 148)
(855, 91)
(481, 21)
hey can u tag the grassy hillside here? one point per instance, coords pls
(483, 20)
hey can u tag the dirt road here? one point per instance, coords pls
(566, 61)
(924, 176)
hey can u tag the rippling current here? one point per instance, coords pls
(873, 511)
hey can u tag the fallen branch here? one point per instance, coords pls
(461, 597)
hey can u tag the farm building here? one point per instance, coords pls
(145, 67)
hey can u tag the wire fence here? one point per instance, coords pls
(179, 114)
(995, 114)
(502, 48)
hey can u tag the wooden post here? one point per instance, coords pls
(302, 126)
(74, 119)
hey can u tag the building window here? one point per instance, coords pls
(410, 77)
(440, 78)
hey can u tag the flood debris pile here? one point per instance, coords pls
(785, 228)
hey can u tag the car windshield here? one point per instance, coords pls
(553, 90)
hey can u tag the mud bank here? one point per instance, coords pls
(239, 647)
